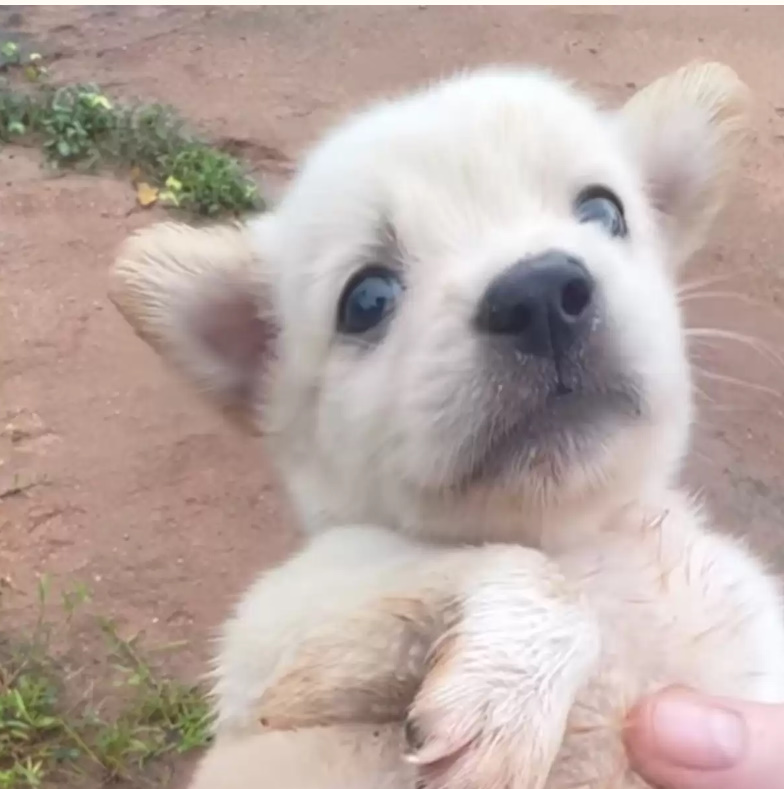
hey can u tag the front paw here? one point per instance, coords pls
(492, 709)
(459, 735)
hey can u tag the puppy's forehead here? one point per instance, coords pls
(500, 127)
(488, 142)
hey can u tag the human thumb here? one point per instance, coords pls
(679, 739)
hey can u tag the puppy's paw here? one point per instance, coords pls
(492, 709)
(460, 734)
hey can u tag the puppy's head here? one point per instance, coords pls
(466, 297)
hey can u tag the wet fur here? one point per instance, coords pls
(529, 567)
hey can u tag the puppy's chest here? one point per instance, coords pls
(667, 608)
(647, 612)
(658, 628)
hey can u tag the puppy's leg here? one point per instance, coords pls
(336, 757)
(490, 643)
(309, 600)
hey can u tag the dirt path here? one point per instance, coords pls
(143, 493)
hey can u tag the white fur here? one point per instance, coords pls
(513, 666)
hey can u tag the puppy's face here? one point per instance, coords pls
(466, 295)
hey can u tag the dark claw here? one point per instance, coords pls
(413, 736)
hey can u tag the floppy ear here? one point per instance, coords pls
(686, 131)
(200, 297)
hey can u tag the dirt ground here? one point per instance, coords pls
(144, 494)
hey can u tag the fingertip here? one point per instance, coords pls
(640, 737)
(637, 728)
(679, 738)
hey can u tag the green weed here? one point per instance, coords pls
(79, 126)
(48, 735)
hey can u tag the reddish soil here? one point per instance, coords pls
(141, 491)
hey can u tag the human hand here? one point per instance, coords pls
(679, 739)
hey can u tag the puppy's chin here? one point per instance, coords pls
(543, 447)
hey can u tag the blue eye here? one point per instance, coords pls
(600, 205)
(369, 297)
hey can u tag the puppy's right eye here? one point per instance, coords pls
(368, 299)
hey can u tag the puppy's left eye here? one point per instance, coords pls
(598, 204)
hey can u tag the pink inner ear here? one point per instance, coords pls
(233, 330)
(679, 162)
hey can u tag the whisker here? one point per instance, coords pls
(702, 393)
(719, 295)
(706, 334)
(728, 379)
(688, 286)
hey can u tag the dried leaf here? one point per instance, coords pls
(146, 195)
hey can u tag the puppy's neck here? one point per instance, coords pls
(555, 529)
(565, 517)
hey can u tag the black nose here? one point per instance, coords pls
(543, 303)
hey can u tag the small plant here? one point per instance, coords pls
(79, 126)
(17, 113)
(32, 734)
(10, 55)
(74, 122)
(163, 716)
(204, 180)
(145, 138)
(44, 736)
(12, 59)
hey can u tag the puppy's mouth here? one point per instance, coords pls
(548, 429)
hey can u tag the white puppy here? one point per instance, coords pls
(461, 326)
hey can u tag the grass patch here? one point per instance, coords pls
(77, 126)
(56, 724)
(52, 729)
